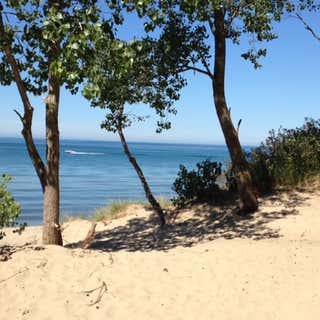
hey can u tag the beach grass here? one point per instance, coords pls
(114, 210)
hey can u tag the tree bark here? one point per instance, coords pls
(152, 200)
(51, 233)
(247, 192)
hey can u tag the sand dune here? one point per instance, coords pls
(206, 265)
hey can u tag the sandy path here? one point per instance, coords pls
(276, 277)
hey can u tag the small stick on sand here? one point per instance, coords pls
(102, 289)
(111, 258)
(90, 236)
(15, 274)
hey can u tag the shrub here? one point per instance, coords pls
(197, 185)
(9, 208)
(287, 157)
(261, 175)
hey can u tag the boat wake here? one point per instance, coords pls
(73, 152)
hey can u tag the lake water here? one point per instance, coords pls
(96, 173)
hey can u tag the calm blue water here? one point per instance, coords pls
(101, 173)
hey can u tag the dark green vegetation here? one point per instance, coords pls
(287, 158)
(197, 185)
(9, 208)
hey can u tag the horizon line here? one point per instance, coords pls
(134, 141)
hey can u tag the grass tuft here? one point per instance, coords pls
(113, 210)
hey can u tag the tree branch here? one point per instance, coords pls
(235, 13)
(204, 62)
(307, 26)
(26, 119)
(188, 68)
(19, 115)
(238, 126)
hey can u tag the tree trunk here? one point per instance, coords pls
(247, 193)
(51, 206)
(51, 232)
(152, 200)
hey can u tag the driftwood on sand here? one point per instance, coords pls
(90, 237)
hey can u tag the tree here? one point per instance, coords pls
(43, 45)
(128, 73)
(190, 32)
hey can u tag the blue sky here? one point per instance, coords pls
(284, 91)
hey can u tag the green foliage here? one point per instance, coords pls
(197, 185)
(253, 18)
(9, 208)
(286, 158)
(35, 28)
(129, 72)
(291, 155)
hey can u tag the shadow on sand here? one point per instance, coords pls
(186, 229)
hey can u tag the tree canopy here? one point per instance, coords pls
(33, 27)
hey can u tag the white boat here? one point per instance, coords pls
(78, 152)
(71, 152)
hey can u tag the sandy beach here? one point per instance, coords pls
(206, 265)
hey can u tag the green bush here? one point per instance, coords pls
(197, 185)
(9, 208)
(287, 157)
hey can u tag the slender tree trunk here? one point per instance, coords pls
(51, 204)
(244, 181)
(152, 200)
